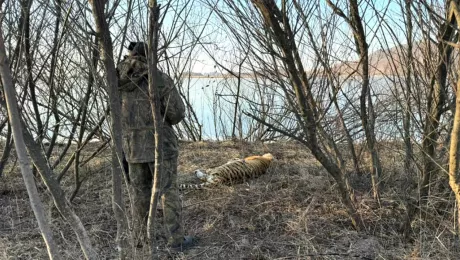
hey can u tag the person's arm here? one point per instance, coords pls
(172, 105)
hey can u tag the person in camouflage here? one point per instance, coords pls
(139, 142)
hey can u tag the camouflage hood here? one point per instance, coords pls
(132, 71)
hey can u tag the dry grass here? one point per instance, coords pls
(292, 212)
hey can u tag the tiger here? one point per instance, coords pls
(234, 171)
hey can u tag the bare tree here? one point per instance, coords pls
(436, 101)
(366, 106)
(152, 60)
(278, 39)
(24, 161)
(454, 158)
(103, 32)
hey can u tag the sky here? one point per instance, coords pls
(219, 42)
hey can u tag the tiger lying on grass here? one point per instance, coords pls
(236, 171)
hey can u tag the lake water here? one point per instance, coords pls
(213, 101)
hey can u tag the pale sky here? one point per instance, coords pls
(215, 32)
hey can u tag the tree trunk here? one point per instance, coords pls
(454, 158)
(6, 150)
(366, 108)
(435, 102)
(157, 121)
(454, 153)
(105, 41)
(51, 81)
(366, 105)
(24, 161)
(407, 107)
(284, 39)
(84, 111)
(62, 205)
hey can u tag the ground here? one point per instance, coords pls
(292, 212)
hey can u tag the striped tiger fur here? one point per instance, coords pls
(236, 171)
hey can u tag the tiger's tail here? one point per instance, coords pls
(200, 186)
(201, 176)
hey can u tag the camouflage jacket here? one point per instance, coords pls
(138, 130)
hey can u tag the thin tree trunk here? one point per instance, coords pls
(51, 81)
(435, 102)
(24, 161)
(63, 206)
(366, 106)
(154, 25)
(454, 153)
(410, 207)
(25, 6)
(367, 112)
(6, 150)
(454, 158)
(323, 59)
(84, 110)
(407, 109)
(105, 41)
(237, 98)
(235, 109)
(284, 38)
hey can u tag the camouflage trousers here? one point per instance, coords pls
(141, 175)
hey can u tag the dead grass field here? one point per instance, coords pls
(293, 212)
